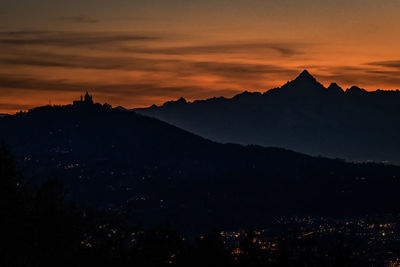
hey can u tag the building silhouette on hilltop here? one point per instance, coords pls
(85, 100)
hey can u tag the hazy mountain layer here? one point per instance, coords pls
(302, 115)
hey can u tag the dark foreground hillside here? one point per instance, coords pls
(117, 160)
(39, 228)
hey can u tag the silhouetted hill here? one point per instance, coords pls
(302, 115)
(110, 158)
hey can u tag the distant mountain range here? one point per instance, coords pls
(302, 115)
(110, 158)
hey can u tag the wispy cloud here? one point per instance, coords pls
(33, 38)
(148, 68)
(41, 59)
(361, 76)
(284, 49)
(235, 70)
(182, 67)
(137, 69)
(387, 64)
(79, 19)
(68, 39)
(127, 89)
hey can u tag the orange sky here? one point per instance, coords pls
(138, 53)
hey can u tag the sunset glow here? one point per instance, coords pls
(139, 53)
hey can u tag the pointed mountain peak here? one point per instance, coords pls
(334, 87)
(304, 83)
(305, 75)
(305, 78)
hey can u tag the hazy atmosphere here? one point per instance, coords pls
(224, 133)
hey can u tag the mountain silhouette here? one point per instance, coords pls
(335, 88)
(111, 158)
(305, 81)
(302, 115)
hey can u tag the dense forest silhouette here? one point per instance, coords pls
(302, 115)
(40, 228)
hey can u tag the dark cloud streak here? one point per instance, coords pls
(79, 19)
(237, 70)
(68, 39)
(284, 49)
(102, 39)
(232, 70)
(122, 89)
(387, 64)
(88, 62)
